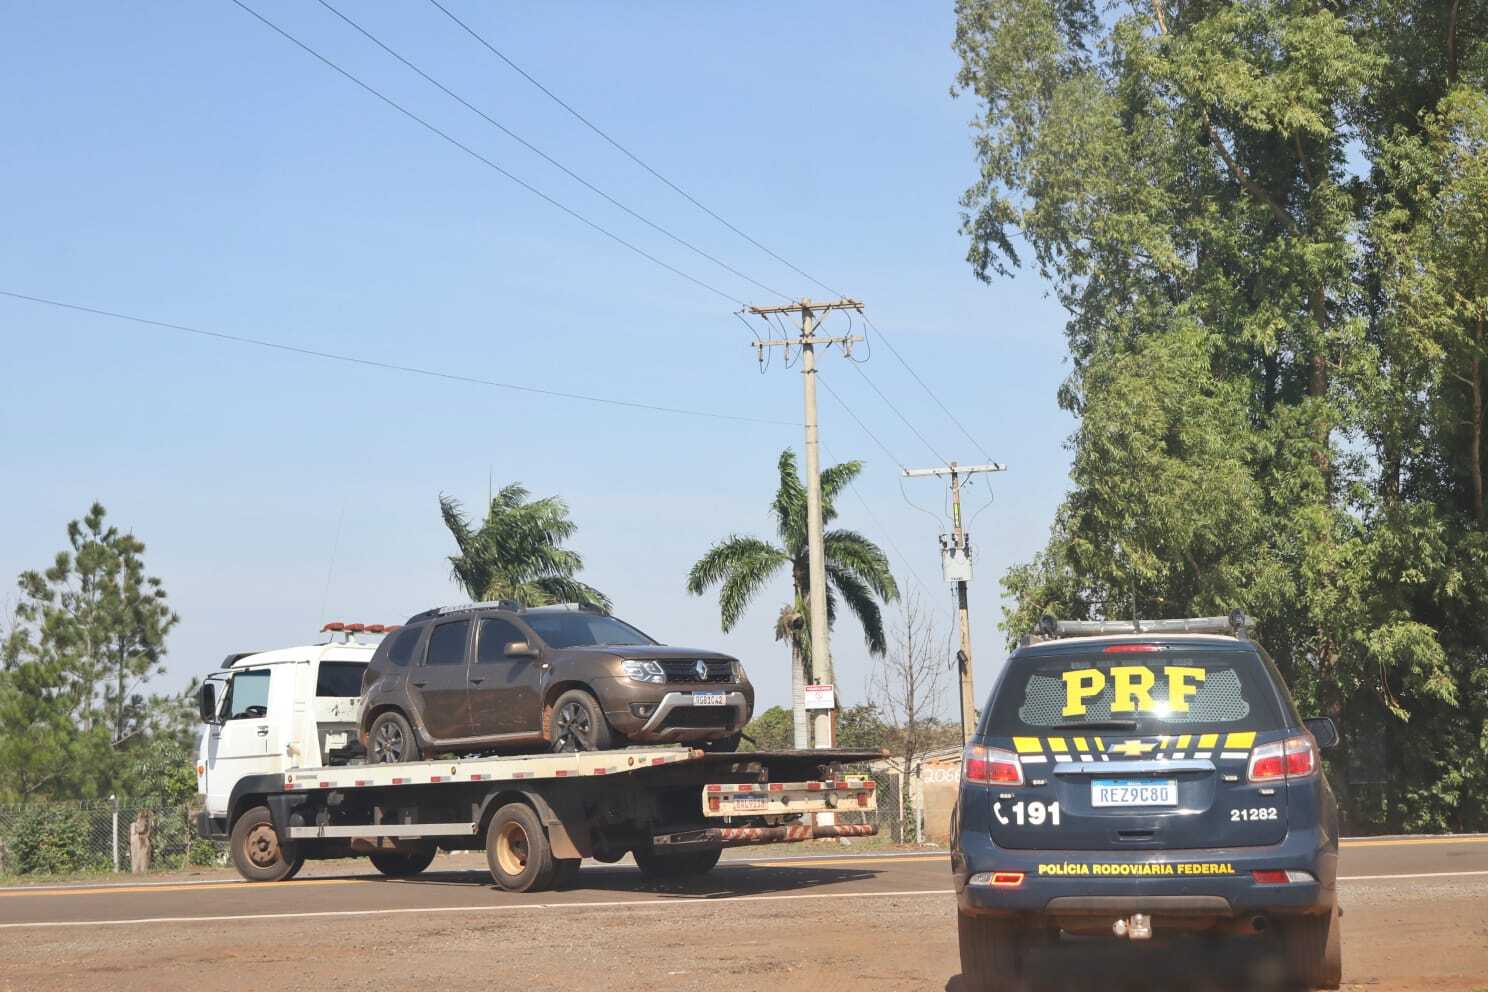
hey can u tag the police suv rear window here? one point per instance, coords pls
(1148, 689)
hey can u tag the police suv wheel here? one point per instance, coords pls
(1313, 946)
(990, 954)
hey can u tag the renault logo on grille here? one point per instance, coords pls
(702, 670)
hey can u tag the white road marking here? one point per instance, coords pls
(1422, 874)
(690, 904)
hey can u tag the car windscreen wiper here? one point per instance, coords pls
(1097, 725)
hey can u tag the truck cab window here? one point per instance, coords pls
(340, 678)
(248, 695)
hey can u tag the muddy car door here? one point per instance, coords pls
(438, 685)
(505, 690)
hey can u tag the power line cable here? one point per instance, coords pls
(392, 366)
(843, 403)
(485, 43)
(621, 148)
(481, 158)
(899, 413)
(544, 155)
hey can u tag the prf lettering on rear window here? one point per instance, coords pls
(1131, 688)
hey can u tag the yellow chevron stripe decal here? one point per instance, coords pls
(1058, 744)
(1183, 741)
(1028, 745)
(1240, 741)
(1208, 741)
(1100, 745)
(1080, 744)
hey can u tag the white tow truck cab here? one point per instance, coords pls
(269, 711)
(282, 776)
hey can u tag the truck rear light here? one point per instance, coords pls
(1295, 757)
(713, 804)
(992, 766)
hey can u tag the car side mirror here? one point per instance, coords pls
(1323, 729)
(206, 702)
(521, 649)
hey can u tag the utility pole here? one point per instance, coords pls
(816, 598)
(955, 565)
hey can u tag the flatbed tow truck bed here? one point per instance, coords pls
(537, 816)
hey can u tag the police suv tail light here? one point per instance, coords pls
(1295, 757)
(992, 766)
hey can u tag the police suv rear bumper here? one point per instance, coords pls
(1216, 882)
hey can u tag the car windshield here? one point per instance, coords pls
(576, 630)
(1140, 689)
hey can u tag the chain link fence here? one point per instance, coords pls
(100, 836)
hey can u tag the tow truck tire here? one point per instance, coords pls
(686, 864)
(256, 851)
(989, 954)
(517, 850)
(579, 723)
(391, 740)
(401, 864)
(1313, 946)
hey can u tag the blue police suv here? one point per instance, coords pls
(1139, 780)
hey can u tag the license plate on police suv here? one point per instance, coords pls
(707, 699)
(1133, 792)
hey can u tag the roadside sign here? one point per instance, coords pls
(821, 697)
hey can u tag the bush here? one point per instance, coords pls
(53, 840)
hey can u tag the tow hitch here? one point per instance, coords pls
(1138, 927)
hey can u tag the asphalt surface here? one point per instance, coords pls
(461, 884)
(828, 919)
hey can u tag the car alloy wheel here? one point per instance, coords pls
(575, 729)
(388, 743)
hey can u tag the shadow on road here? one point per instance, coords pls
(724, 881)
(1180, 965)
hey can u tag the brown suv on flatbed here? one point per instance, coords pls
(492, 677)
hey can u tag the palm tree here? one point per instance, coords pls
(857, 572)
(516, 553)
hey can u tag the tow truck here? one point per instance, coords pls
(283, 781)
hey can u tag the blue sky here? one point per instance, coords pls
(181, 162)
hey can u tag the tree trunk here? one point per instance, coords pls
(140, 841)
(800, 734)
(1475, 456)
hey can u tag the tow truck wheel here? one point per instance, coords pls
(400, 864)
(256, 851)
(989, 954)
(657, 865)
(1313, 946)
(517, 850)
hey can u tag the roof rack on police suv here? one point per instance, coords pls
(1049, 629)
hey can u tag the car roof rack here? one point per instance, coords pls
(1235, 625)
(505, 604)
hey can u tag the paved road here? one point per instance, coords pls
(466, 888)
(1417, 921)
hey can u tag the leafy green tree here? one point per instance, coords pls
(1266, 222)
(87, 634)
(517, 552)
(769, 731)
(857, 572)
